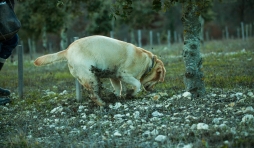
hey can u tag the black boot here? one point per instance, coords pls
(4, 101)
(4, 92)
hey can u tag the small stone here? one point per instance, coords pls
(247, 118)
(217, 120)
(248, 109)
(190, 145)
(118, 116)
(160, 138)
(117, 134)
(250, 94)
(218, 111)
(146, 134)
(157, 114)
(202, 126)
(186, 94)
(136, 114)
(154, 132)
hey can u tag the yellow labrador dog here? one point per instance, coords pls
(95, 57)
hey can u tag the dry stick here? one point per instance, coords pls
(20, 71)
(78, 86)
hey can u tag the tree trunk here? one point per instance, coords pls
(193, 77)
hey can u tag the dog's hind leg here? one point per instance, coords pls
(116, 83)
(93, 85)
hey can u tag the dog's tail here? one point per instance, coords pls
(50, 58)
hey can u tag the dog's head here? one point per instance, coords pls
(157, 74)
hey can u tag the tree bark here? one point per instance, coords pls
(193, 77)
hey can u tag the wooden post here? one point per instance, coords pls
(78, 86)
(159, 38)
(250, 30)
(179, 38)
(238, 32)
(20, 71)
(242, 27)
(151, 38)
(139, 38)
(207, 36)
(247, 31)
(175, 37)
(169, 38)
(226, 31)
(112, 34)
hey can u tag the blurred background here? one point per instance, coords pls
(49, 26)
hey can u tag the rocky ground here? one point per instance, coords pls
(223, 118)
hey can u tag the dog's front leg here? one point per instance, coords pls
(134, 83)
(116, 83)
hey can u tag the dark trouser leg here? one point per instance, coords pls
(6, 49)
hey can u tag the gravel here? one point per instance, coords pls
(221, 118)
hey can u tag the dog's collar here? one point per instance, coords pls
(149, 70)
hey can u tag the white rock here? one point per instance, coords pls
(218, 111)
(194, 126)
(216, 120)
(160, 138)
(57, 109)
(213, 95)
(129, 122)
(83, 115)
(63, 93)
(157, 114)
(136, 114)
(81, 107)
(239, 95)
(247, 118)
(248, 109)
(190, 145)
(116, 106)
(202, 126)
(117, 134)
(250, 94)
(154, 132)
(186, 94)
(118, 116)
(146, 134)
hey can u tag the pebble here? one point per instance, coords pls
(157, 114)
(250, 94)
(57, 109)
(186, 94)
(248, 109)
(247, 118)
(160, 138)
(117, 134)
(136, 114)
(202, 126)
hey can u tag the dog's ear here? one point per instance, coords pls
(161, 71)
